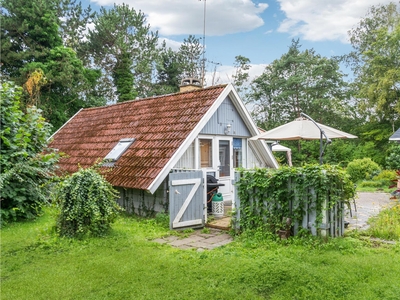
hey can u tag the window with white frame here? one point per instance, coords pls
(118, 150)
(237, 153)
(205, 153)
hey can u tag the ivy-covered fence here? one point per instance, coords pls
(312, 197)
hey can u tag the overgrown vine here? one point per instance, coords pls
(267, 196)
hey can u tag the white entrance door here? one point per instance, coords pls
(225, 167)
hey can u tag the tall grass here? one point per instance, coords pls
(386, 225)
(36, 264)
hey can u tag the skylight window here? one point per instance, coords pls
(118, 150)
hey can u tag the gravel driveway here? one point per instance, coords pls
(366, 206)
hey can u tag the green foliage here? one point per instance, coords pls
(123, 77)
(360, 169)
(375, 61)
(29, 29)
(380, 182)
(300, 81)
(87, 204)
(169, 70)
(36, 264)
(123, 46)
(241, 75)
(162, 219)
(25, 162)
(393, 158)
(190, 53)
(31, 43)
(268, 196)
(386, 225)
(386, 175)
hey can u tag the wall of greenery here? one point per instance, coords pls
(269, 196)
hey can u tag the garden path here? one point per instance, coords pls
(198, 240)
(366, 205)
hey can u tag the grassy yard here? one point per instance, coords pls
(126, 264)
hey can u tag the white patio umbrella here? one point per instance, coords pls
(395, 136)
(304, 129)
(277, 147)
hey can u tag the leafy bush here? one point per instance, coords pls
(373, 183)
(386, 176)
(87, 203)
(26, 163)
(393, 159)
(361, 169)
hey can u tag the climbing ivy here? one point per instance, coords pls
(268, 196)
(87, 204)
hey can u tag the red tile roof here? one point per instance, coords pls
(159, 125)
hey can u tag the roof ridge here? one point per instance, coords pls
(158, 96)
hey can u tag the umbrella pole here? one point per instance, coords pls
(320, 148)
(328, 141)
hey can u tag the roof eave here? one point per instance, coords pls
(261, 147)
(191, 137)
(228, 91)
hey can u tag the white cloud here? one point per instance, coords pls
(174, 45)
(175, 17)
(319, 20)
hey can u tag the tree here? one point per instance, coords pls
(190, 57)
(241, 76)
(299, 82)
(169, 71)
(68, 85)
(376, 62)
(26, 164)
(29, 30)
(123, 46)
(74, 21)
(33, 56)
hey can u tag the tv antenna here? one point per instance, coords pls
(215, 70)
(203, 66)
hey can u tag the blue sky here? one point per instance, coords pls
(259, 30)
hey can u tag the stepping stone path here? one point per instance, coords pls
(198, 240)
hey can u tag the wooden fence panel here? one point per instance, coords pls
(332, 223)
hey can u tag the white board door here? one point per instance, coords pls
(186, 199)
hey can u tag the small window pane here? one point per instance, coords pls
(205, 153)
(224, 159)
(237, 153)
(119, 149)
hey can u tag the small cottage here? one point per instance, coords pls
(158, 151)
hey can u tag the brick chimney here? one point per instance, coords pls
(190, 84)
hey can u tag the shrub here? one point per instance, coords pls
(87, 204)
(386, 177)
(26, 165)
(361, 169)
(393, 159)
(373, 184)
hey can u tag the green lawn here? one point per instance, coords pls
(128, 265)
